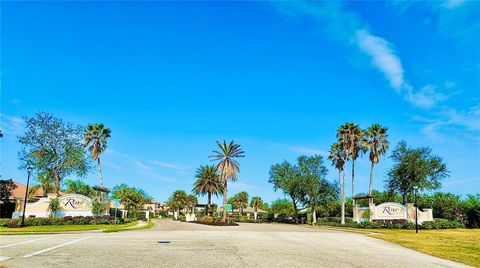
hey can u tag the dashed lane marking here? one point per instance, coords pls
(24, 242)
(54, 247)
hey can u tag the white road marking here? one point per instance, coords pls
(24, 242)
(55, 247)
(4, 258)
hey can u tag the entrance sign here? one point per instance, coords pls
(70, 205)
(229, 207)
(390, 211)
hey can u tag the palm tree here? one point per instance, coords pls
(376, 141)
(96, 136)
(355, 147)
(208, 182)
(336, 156)
(228, 166)
(256, 203)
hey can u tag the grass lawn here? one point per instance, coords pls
(61, 228)
(120, 228)
(461, 245)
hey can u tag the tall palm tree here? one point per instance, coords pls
(96, 136)
(256, 203)
(228, 166)
(355, 147)
(377, 143)
(208, 182)
(336, 155)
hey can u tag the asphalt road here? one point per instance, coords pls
(193, 245)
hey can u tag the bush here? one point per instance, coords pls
(441, 224)
(181, 218)
(67, 220)
(208, 220)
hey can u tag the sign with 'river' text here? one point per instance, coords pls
(390, 211)
(75, 202)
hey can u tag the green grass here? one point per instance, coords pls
(125, 228)
(461, 245)
(61, 228)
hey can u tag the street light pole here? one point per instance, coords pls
(416, 212)
(29, 170)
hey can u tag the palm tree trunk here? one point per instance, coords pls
(224, 216)
(353, 182)
(342, 186)
(100, 176)
(255, 213)
(371, 179)
(208, 203)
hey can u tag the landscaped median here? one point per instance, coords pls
(462, 245)
(66, 224)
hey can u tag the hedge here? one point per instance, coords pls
(67, 220)
(397, 224)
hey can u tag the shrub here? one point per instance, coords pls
(441, 224)
(4, 222)
(393, 224)
(181, 218)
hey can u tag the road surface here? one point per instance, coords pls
(194, 245)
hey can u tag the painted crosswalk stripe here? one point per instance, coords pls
(54, 247)
(4, 258)
(24, 242)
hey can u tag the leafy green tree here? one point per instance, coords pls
(286, 177)
(228, 166)
(312, 171)
(46, 182)
(256, 203)
(241, 200)
(415, 168)
(208, 182)
(53, 148)
(282, 206)
(337, 156)
(132, 198)
(191, 203)
(178, 201)
(376, 140)
(471, 207)
(54, 206)
(444, 205)
(97, 207)
(6, 188)
(96, 136)
(79, 187)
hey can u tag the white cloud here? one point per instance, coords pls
(11, 125)
(451, 122)
(168, 165)
(452, 4)
(383, 57)
(309, 151)
(16, 101)
(426, 97)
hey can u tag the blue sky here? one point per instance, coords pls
(171, 78)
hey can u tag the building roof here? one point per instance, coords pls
(19, 191)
